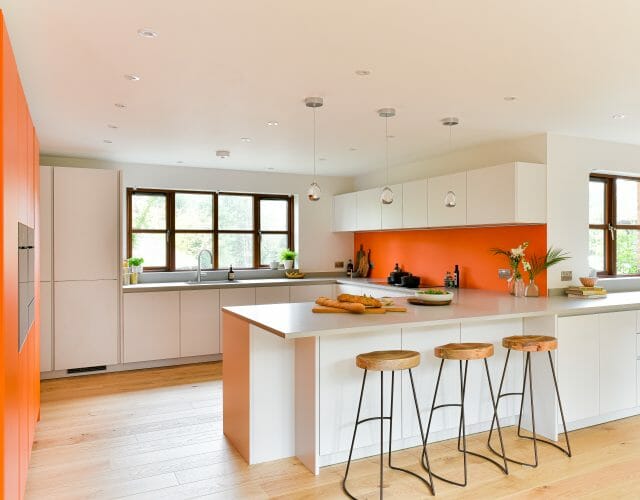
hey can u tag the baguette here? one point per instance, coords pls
(359, 299)
(347, 306)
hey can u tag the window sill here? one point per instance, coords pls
(620, 283)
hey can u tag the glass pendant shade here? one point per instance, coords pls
(313, 193)
(386, 196)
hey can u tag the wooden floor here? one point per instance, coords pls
(157, 434)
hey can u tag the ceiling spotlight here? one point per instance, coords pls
(107, 141)
(510, 98)
(132, 78)
(391, 136)
(272, 124)
(120, 105)
(363, 72)
(619, 116)
(179, 161)
(322, 159)
(245, 139)
(223, 153)
(147, 33)
(353, 149)
(270, 168)
(450, 121)
(111, 125)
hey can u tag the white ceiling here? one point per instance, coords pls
(219, 70)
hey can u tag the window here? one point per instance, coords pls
(169, 228)
(614, 225)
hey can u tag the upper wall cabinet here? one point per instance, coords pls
(447, 200)
(414, 204)
(509, 193)
(392, 214)
(369, 215)
(85, 217)
(344, 212)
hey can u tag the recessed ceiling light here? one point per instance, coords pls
(179, 161)
(270, 168)
(353, 149)
(619, 116)
(510, 98)
(132, 78)
(322, 159)
(363, 72)
(223, 153)
(273, 124)
(147, 33)
(111, 125)
(245, 139)
(107, 141)
(391, 136)
(120, 105)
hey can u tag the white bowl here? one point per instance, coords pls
(430, 297)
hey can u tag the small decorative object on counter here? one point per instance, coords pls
(231, 275)
(362, 263)
(586, 292)
(287, 257)
(350, 268)
(136, 264)
(536, 265)
(515, 256)
(274, 265)
(456, 276)
(449, 280)
(126, 273)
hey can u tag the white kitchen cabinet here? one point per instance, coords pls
(638, 382)
(86, 324)
(618, 360)
(344, 212)
(368, 209)
(85, 221)
(309, 293)
(199, 322)
(414, 204)
(391, 215)
(384, 292)
(151, 326)
(350, 289)
(509, 193)
(235, 297)
(46, 221)
(272, 295)
(46, 340)
(578, 366)
(439, 188)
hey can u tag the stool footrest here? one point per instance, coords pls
(372, 418)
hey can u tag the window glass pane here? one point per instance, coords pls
(627, 201)
(235, 250)
(148, 211)
(152, 247)
(235, 212)
(596, 249)
(627, 251)
(270, 247)
(194, 211)
(188, 245)
(274, 215)
(596, 202)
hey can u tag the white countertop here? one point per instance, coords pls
(292, 321)
(248, 283)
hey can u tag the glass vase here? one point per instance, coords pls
(518, 287)
(532, 289)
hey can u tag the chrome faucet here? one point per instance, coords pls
(199, 271)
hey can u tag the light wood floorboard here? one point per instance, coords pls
(157, 434)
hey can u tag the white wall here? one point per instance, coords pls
(529, 149)
(317, 245)
(569, 162)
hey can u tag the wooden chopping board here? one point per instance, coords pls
(369, 310)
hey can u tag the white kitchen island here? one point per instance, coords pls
(291, 387)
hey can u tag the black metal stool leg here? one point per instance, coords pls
(382, 429)
(495, 414)
(504, 372)
(425, 463)
(564, 424)
(353, 439)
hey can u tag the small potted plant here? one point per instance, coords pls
(287, 257)
(135, 263)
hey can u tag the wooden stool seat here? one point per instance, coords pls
(530, 343)
(464, 351)
(383, 361)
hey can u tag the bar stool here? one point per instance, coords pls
(463, 352)
(529, 344)
(385, 361)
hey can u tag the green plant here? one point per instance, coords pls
(536, 264)
(288, 254)
(515, 256)
(135, 261)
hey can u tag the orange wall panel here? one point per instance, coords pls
(430, 253)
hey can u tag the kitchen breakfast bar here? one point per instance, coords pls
(291, 385)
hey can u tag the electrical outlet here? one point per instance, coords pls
(566, 275)
(504, 274)
(339, 264)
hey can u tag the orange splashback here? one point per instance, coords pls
(430, 253)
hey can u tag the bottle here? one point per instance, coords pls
(448, 280)
(350, 269)
(231, 275)
(456, 276)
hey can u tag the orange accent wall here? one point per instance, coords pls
(430, 253)
(19, 195)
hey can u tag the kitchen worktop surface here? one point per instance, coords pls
(297, 320)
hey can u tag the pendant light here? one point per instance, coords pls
(386, 196)
(451, 121)
(313, 193)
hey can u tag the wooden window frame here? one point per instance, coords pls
(171, 230)
(611, 225)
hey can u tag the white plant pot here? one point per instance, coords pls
(288, 264)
